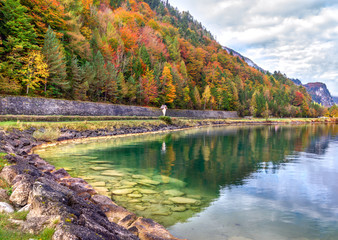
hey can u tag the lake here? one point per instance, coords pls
(235, 182)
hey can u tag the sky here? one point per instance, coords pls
(297, 37)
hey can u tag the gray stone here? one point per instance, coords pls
(6, 208)
(3, 195)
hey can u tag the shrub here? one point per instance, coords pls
(47, 134)
(166, 119)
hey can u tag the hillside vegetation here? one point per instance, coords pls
(133, 52)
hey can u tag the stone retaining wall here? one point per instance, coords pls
(42, 106)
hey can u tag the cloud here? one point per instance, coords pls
(297, 37)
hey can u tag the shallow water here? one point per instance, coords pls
(266, 182)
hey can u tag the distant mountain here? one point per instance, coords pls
(247, 60)
(320, 93)
(335, 99)
(296, 81)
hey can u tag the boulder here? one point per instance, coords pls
(147, 229)
(3, 195)
(23, 185)
(6, 208)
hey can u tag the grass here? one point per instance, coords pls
(9, 230)
(147, 123)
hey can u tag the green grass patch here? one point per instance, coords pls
(9, 230)
(20, 215)
(3, 161)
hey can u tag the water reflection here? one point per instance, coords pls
(271, 172)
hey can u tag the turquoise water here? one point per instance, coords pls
(237, 183)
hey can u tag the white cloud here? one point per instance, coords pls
(297, 37)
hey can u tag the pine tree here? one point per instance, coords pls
(206, 96)
(101, 75)
(54, 55)
(79, 88)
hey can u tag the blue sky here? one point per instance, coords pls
(297, 37)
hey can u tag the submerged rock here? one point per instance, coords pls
(148, 182)
(123, 191)
(136, 176)
(98, 184)
(147, 191)
(183, 200)
(98, 168)
(173, 192)
(112, 173)
(179, 209)
(135, 195)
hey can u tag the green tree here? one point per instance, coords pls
(18, 36)
(55, 58)
(80, 87)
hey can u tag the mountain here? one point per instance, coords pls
(296, 81)
(137, 53)
(247, 60)
(318, 91)
(335, 99)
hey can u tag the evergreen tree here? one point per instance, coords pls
(79, 88)
(55, 58)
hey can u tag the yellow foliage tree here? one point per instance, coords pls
(34, 71)
(169, 90)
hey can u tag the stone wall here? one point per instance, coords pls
(12, 105)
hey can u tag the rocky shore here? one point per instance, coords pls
(70, 205)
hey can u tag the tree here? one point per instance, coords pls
(80, 87)
(168, 88)
(34, 70)
(266, 111)
(206, 96)
(55, 58)
(197, 98)
(149, 87)
(18, 35)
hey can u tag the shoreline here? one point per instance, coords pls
(22, 155)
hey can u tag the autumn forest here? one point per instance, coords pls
(133, 52)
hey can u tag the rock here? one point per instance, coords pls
(3, 195)
(173, 192)
(134, 201)
(122, 191)
(135, 195)
(99, 162)
(112, 173)
(102, 190)
(136, 176)
(199, 197)
(128, 183)
(147, 191)
(147, 229)
(148, 182)
(140, 208)
(98, 168)
(23, 184)
(98, 184)
(183, 200)
(178, 209)
(167, 202)
(6, 208)
(25, 208)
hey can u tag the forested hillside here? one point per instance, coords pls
(133, 52)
